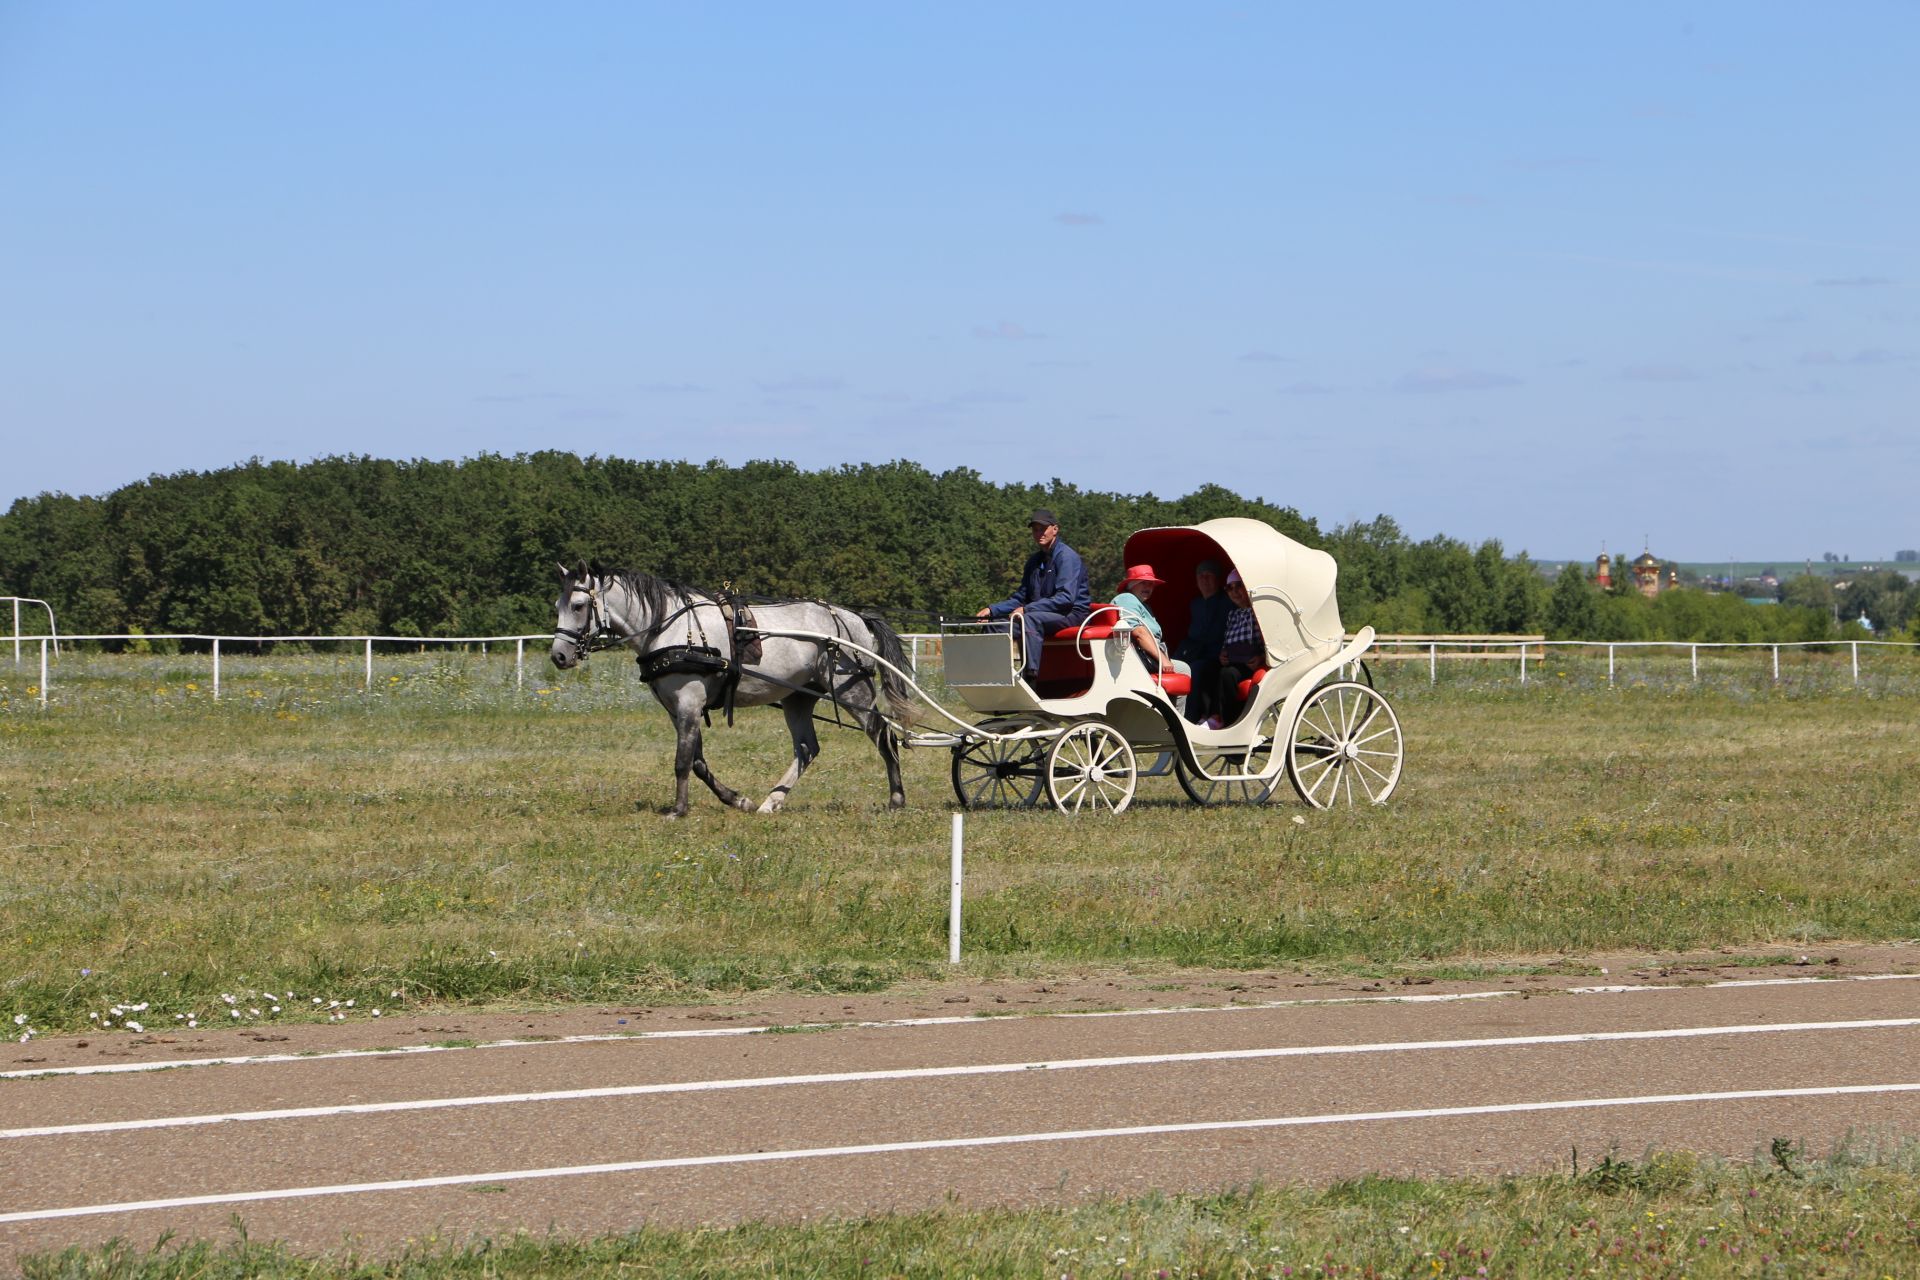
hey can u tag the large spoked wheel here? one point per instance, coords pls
(997, 774)
(1345, 747)
(1090, 767)
(1237, 776)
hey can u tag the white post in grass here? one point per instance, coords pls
(367, 686)
(16, 631)
(1776, 664)
(1433, 664)
(1696, 664)
(43, 671)
(1856, 662)
(1609, 666)
(953, 907)
(216, 668)
(1523, 664)
(519, 664)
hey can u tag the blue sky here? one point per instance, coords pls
(1553, 274)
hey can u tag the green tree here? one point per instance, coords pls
(1573, 610)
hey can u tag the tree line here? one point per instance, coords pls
(359, 545)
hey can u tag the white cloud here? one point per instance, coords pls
(1006, 331)
(1660, 373)
(1423, 381)
(799, 382)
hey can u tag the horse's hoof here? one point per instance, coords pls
(671, 812)
(896, 801)
(769, 805)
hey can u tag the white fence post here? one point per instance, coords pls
(1523, 664)
(519, 664)
(1696, 663)
(16, 631)
(216, 668)
(1856, 662)
(1433, 664)
(43, 671)
(953, 907)
(1776, 664)
(367, 686)
(1609, 666)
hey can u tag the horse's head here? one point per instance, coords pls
(582, 616)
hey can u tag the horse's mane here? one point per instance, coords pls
(660, 595)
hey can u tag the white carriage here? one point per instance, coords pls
(1077, 732)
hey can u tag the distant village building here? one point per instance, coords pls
(1645, 572)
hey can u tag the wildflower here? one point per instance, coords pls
(134, 1026)
(376, 1013)
(19, 1019)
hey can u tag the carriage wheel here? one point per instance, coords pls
(1239, 772)
(1091, 767)
(1345, 747)
(997, 774)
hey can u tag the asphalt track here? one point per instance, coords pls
(699, 1123)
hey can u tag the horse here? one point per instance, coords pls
(692, 645)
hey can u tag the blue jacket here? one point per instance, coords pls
(1054, 581)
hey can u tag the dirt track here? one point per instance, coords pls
(701, 1118)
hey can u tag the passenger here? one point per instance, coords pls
(1136, 588)
(1243, 652)
(1053, 592)
(1206, 632)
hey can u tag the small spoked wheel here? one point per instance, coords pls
(1238, 777)
(990, 773)
(1345, 747)
(1090, 767)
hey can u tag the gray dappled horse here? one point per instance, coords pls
(683, 639)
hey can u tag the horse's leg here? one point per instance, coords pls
(859, 699)
(806, 745)
(685, 702)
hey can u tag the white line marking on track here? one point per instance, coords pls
(925, 1073)
(947, 1144)
(127, 1068)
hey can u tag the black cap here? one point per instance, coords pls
(1042, 516)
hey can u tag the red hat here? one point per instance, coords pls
(1140, 573)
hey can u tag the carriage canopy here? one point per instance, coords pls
(1291, 585)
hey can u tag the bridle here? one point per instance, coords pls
(599, 633)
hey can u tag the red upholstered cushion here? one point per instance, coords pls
(1098, 626)
(1245, 687)
(1177, 684)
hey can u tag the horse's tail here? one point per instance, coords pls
(886, 643)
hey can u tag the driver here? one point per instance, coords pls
(1053, 591)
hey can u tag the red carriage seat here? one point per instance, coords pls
(1245, 688)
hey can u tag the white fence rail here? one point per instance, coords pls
(53, 628)
(923, 646)
(1521, 647)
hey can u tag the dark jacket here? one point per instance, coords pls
(1054, 581)
(1206, 629)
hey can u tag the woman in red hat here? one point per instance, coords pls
(1136, 588)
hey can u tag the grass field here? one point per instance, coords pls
(1848, 1214)
(449, 839)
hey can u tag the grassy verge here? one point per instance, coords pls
(446, 838)
(1852, 1214)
